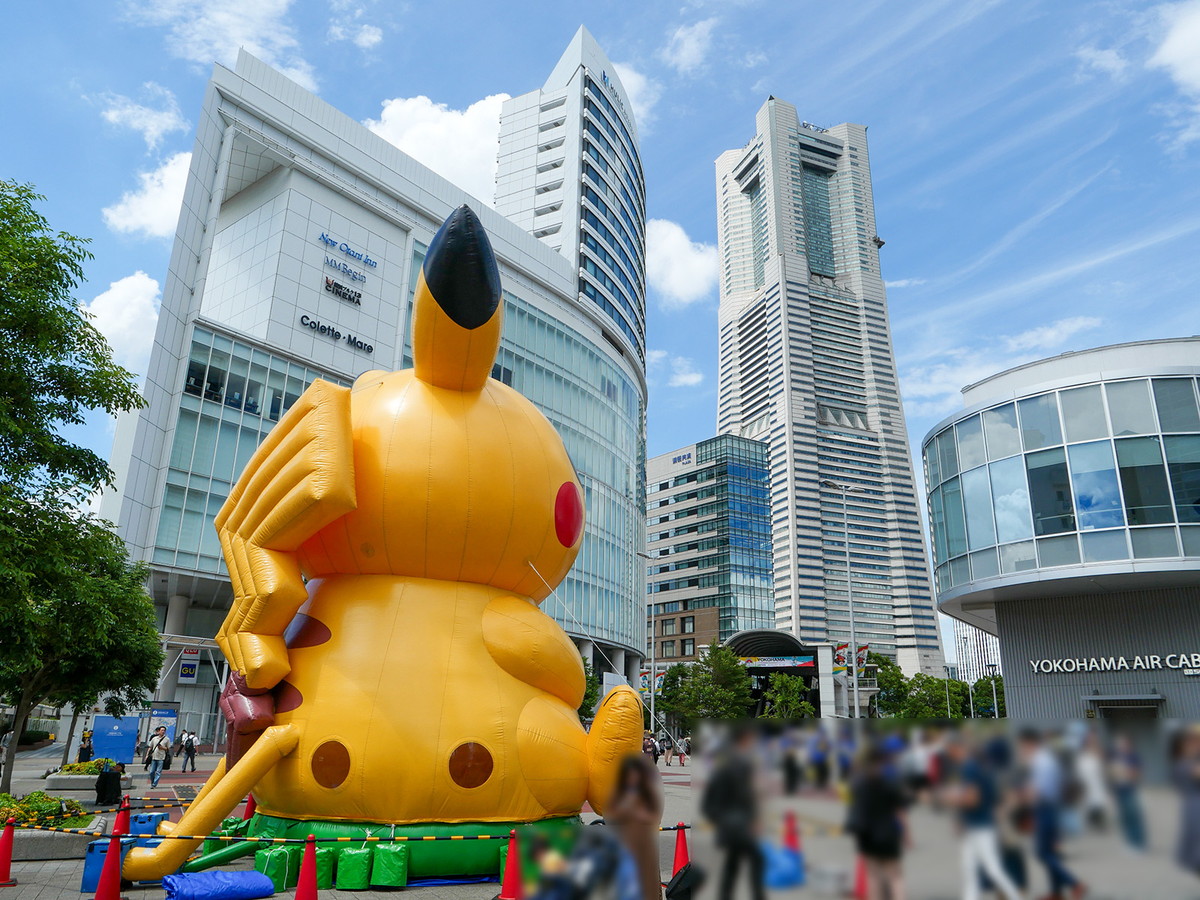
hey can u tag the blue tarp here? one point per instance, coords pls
(218, 886)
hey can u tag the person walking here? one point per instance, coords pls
(85, 749)
(1125, 776)
(1186, 774)
(156, 752)
(1046, 790)
(635, 813)
(188, 746)
(730, 802)
(878, 822)
(669, 750)
(975, 796)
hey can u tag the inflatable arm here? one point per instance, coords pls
(299, 480)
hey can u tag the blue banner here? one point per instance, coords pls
(114, 738)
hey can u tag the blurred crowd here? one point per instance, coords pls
(1016, 796)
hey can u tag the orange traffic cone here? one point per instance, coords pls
(306, 887)
(791, 833)
(121, 823)
(109, 887)
(6, 847)
(251, 806)
(510, 887)
(681, 850)
(860, 880)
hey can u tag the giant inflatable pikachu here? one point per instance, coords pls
(388, 547)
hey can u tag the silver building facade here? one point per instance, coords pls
(806, 365)
(1064, 505)
(296, 256)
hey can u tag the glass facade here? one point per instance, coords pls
(1091, 474)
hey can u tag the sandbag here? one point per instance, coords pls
(353, 869)
(389, 865)
(218, 886)
(325, 867)
(280, 864)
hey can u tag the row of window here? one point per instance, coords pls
(666, 649)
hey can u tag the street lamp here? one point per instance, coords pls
(992, 667)
(947, 668)
(849, 489)
(971, 698)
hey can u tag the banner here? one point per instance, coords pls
(114, 738)
(841, 654)
(777, 662)
(644, 682)
(861, 658)
(189, 665)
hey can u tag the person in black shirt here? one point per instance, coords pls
(731, 804)
(877, 820)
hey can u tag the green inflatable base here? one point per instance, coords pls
(464, 855)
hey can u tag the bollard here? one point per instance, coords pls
(510, 887)
(306, 887)
(860, 879)
(791, 833)
(110, 876)
(6, 851)
(681, 850)
(121, 823)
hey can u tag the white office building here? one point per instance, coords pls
(978, 652)
(806, 365)
(297, 252)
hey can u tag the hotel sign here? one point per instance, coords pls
(1188, 662)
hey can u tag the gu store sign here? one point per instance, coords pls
(1189, 662)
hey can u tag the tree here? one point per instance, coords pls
(893, 686)
(787, 698)
(717, 686)
(54, 364)
(76, 620)
(927, 698)
(591, 691)
(983, 696)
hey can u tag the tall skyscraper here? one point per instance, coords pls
(977, 651)
(806, 365)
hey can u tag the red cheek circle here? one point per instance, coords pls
(568, 515)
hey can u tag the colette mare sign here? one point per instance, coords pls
(1188, 662)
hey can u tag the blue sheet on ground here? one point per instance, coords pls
(782, 868)
(218, 886)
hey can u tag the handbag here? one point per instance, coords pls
(685, 882)
(167, 761)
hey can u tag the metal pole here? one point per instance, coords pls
(971, 698)
(995, 699)
(850, 600)
(650, 626)
(948, 716)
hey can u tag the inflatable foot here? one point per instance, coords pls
(616, 733)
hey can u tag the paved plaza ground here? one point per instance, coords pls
(931, 866)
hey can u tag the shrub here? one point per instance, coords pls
(32, 737)
(92, 767)
(41, 807)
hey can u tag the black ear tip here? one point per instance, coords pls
(460, 270)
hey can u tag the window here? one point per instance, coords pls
(1083, 413)
(1175, 399)
(1144, 481)
(1050, 492)
(1129, 406)
(947, 453)
(977, 502)
(1101, 546)
(688, 648)
(667, 650)
(1094, 477)
(1039, 422)
(1000, 429)
(956, 524)
(970, 443)
(1183, 465)
(1010, 493)
(667, 627)
(1151, 543)
(688, 624)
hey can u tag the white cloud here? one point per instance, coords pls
(684, 373)
(688, 46)
(363, 36)
(679, 269)
(153, 121)
(126, 314)
(753, 59)
(904, 282)
(204, 31)
(642, 90)
(459, 145)
(1109, 62)
(1179, 55)
(1052, 336)
(656, 357)
(153, 209)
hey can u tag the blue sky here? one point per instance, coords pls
(1035, 164)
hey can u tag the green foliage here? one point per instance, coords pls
(76, 620)
(983, 697)
(33, 737)
(927, 698)
(91, 767)
(591, 692)
(787, 698)
(717, 686)
(893, 686)
(40, 806)
(54, 364)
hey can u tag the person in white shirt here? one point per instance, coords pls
(157, 750)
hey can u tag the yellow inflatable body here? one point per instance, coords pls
(388, 548)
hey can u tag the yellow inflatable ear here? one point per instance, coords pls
(456, 310)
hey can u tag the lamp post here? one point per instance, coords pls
(992, 667)
(845, 489)
(650, 624)
(971, 698)
(947, 668)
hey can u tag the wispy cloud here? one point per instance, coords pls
(156, 117)
(1052, 336)
(1179, 55)
(1108, 61)
(904, 282)
(681, 371)
(688, 45)
(681, 271)
(643, 92)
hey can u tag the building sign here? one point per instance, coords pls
(1150, 662)
(683, 458)
(189, 665)
(349, 251)
(320, 327)
(340, 290)
(777, 662)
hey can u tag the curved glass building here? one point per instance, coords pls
(296, 257)
(1064, 507)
